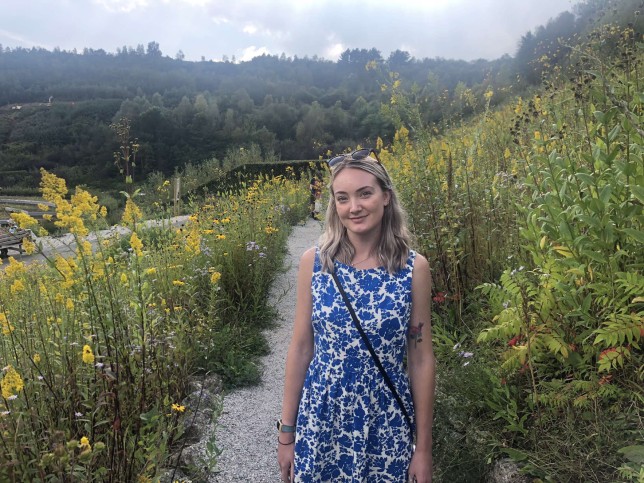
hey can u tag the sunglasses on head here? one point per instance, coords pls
(354, 156)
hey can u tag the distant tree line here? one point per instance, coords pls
(56, 107)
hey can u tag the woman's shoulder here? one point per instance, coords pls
(308, 257)
(420, 262)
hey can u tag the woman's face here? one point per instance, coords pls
(359, 201)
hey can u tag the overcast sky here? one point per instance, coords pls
(458, 29)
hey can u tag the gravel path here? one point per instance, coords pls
(246, 429)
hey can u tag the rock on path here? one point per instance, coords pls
(246, 428)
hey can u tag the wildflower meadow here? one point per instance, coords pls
(531, 215)
(98, 348)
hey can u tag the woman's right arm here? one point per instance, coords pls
(300, 353)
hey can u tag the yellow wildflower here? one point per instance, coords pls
(215, 277)
(193, 242)
(136, 244)
(53, 188)
(132, 213)
(17, 286)
(7, 328)
(36, 358)
(24, 220)
(69, 304)
(270, 230)
(66, 267)
(88, 355)
(178, 408)
(123, 278)
(11, 383)
(85, 247)
(220, 237)
(14, 268)
(84, 443)
(178, 283)
(28, 246)
(150, 271)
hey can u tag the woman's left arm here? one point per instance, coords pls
(422, 369)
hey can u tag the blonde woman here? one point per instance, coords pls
(359, 386)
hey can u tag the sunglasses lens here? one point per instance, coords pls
(356, 155)
(360, 154)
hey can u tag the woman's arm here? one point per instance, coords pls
(300, 353)
(422, 367)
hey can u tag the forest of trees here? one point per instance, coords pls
(56, 107)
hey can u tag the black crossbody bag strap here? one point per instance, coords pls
(372, 352)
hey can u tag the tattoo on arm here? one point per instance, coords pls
(416, 333)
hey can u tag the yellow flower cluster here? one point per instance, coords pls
(136, 244)
(17, 286)
(53, 188)
(193, 241)
(132, 213)
(215, 277)
(23, 220)
(14, 268)
(7, 328)
(28, 246)
(70, 214)
(11, 383)
(88, 355)
(66, 267)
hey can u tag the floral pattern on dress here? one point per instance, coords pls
(349, 425)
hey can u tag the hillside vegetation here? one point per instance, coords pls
(532, 217)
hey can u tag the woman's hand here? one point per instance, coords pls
(286, 456)
(420, 469)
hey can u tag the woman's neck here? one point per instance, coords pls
(363, 248)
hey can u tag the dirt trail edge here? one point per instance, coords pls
(246, 429)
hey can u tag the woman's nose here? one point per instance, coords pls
(355, 205)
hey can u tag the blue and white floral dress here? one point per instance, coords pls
(349, 425)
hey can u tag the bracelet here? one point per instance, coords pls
(285, 444)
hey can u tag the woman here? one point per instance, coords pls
(340, 420)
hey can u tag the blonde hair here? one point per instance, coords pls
(394, 244)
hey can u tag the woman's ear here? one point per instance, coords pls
(387, 197)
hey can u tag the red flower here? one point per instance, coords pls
(439, 298)
(514, 340)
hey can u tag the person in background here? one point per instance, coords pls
(341, 419)
(315, 188)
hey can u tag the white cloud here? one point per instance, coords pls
(333, 52)
(250, 29)
(124, 6)
(249, 53)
